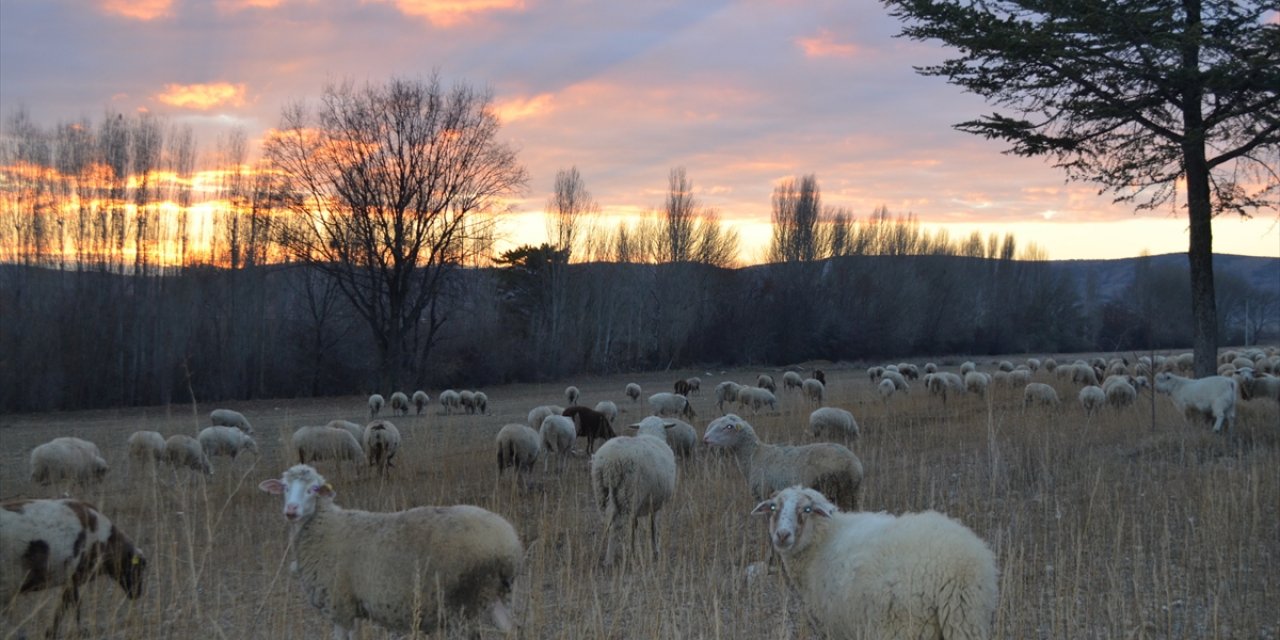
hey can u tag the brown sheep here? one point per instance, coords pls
(590, 424)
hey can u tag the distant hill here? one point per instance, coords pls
(1112, 277)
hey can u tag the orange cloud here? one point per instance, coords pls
(202, 97)
(240, 5)
(522, 108)
(449, 13)
(138, 9)
(825, 45)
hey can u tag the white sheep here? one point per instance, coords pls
(1050, 364)
(451, 401)
(468, 400)
(557, 434)
(833, 422)
(681, 436)
(1120, 392)
(146, 446)
(1020, 377)
(813, 389)
(1033, 364)
(874, 373)
(1212, 397)
(571, 395)
(826, 466)
(765, 381)
(632, 478)
(665, 402)
(695, 385)
(757, 398)
(356, 430)
(967, 366)
(633, 391)
(68, 459)
(945, 384)
(420, 401)
(977, 382)
(412, 570)
(518, 446)
(325, 443)
(376, 403)
(399, 404)
(184, 451)
(537, 414)
(63, 544)
(791, 381)
(886, 388)
(480, 401)
(1039, 393)
(726, 391)
(875, 575)
(1092, 398)
(381, 441)
(229, 418)
(225, 441)
(1259, 385)
(930, 367)
(608, 408)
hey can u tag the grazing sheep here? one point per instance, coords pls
(664, 403)
(356, 430)
(68, 458)
(1083, 373)
(608, 408)
(945, 384)
(757, 398)
(1120, 393)
(590, 424)
(1039, 393)
(680, 435)
(225, 441)
(791, 381)
(518, 447)
(571, 394)
(468, 400)
(381, 441)
(480, 401)
(536, 414)
(1213, 397)
(229, 418)
(967, 366)
(451, 401)
(826, 466)
(633, 391)
(1050, 365)
(1005, 365)
(146, 445)
(874, 373)
(1260, 385)
(977, 382)
(325, 443)
(695, 385)
(765, 381)
(813, 390)
(1092, 398)
(406, 570)
(1019, 377)
(875, 575)
(632, 478)
(399, 404)
(832, 422)
(930, 367)
(63, 544)
(1033, 364)
(558, 434)
(375, 405)
(820, 376)
(185, 451)
(726, 391)
(420, 401)
(886, 388)
(681, 387)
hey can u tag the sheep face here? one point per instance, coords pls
(790, 512)
(726, 431)
(128, 567)
(301, 485)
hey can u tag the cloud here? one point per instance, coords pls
(240, 5)
(202, 97)
(451, 13)
(825, 45)
(521, 108)
(138, 9)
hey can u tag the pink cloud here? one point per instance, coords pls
(521, 108)
(826, 45)
(202, 97)
(451, 13)
(138, 9)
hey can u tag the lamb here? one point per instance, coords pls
(557, 434)
(399, 404)
(406, 570)
(665, 402)
(756, 398)
(571, 394)
(813, 390)
(325, 443)
(1040, 393)
(537, 414)
(886, 388)
(229, 418)
(420, 401)
(791, 380)
(67, 458)
(381, 441)
(518, 446)
(356, 430)
(633, 391)
(590, 424)
(765, 381)
(375, 405)
(726, 391)
(451, 401)
(832, 422)
(826, 466)
(608, 408)
(185, 451)
(146, 446)
(225, 441)
(876, 575)
(1092, 398)
(63, 544)
(1212, 397)
(977, 382)
(632, 478)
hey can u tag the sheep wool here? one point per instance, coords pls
(381, 440)
(325, 443)
(225, 441)
(518, 446)
(68, 459)
(185, 451)
(146, 445)
(229, 418)
(632, 478)
(420, 401)
(400, 403)
(833, 422)
(1213, 397)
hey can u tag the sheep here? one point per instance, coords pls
(876, 575)
(518, 446)
(681, 437)
(557, 434)
(826, 466)
(765, 381)
(886, 388)
(832, 422)
(813, 390)
(399, 404)
(1019, 377)
(590, 424)
(146, 446)
(967, 366)
(633, 391)
(1212, 397)
(632, 478)
(480, 400)
(405, 570)
(791, 381)
(1040, 393)
(874, 373)
(536, 414)
(225, 441)
(1084, 374)
(726, 391)
(375, 405)
(356, 430)
(946, 383)
(451, 401)
(571, 394)
(1259, 385)
(325, 443)
(665, 402)
(1120, 393)
(608, 408)
(63, 544)
(1004, 365)
(185, 451)
(467, 399)
(977, 382)
(820, 376)
(229, 418)
(1033, 364)
(67, 458)
(930, 367)
(908, 371)
(757, 398)
(695, 385)
(1092, 398)
(681, 387)
(381, 441)
(1049, 364)
(420, 401)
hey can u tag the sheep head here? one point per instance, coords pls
(790, 512)
(727, 431)
(301, 485)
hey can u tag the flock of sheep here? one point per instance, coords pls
(859, 574)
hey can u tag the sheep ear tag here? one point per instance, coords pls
(325, 490)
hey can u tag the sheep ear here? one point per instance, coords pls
(764, 508)
(821, 509)
(273, 486)
(668, 425)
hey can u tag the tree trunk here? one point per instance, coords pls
(1204, 305)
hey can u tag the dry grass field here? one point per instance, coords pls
(1111, 527)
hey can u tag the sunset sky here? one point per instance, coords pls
(741, 94)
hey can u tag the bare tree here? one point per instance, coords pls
(679, 216)
(569, 209)
(797, 203)
(396, 182)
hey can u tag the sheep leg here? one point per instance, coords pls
(342, 633)
(500, 615)
(653, 533)
(70, 598)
